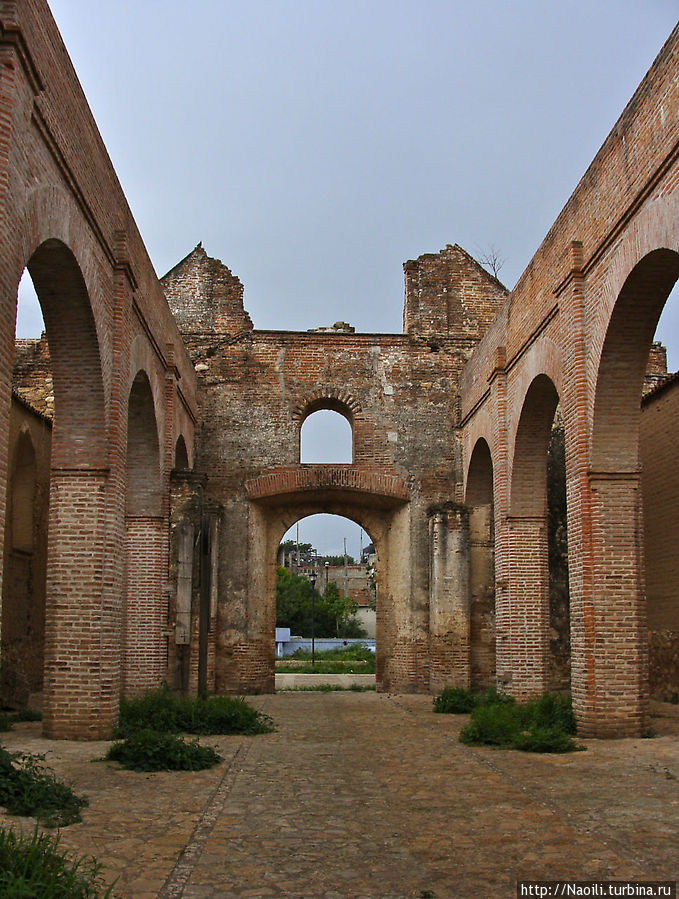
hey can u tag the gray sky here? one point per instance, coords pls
(314, 146)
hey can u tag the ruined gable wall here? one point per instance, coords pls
(399, 390)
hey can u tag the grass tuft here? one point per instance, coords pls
(149, 750)
(166, 712)
(546, 724)
(29, 788)
(33, 866)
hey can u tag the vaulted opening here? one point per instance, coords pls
(326, 437)
(326, 598)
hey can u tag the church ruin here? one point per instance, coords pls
(165, 431)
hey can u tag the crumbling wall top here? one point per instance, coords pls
(449, 294)
(204, 295)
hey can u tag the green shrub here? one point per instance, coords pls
(5, 722)
(150, 750)
(454, 701)
(33, 866)
(354, 652)
(165, 712)
(457, 701)
(542, 725)
(545, 739)
(29, 788)
(493, 724)
(551, 711)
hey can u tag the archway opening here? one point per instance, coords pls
(619, 477)
(531, 611)
(326, 437)
(145, 654)
(181, 456)
(659, 458)
(57, 408)
(326, 602)
(479, 502)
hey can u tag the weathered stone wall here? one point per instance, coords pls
(399, 393)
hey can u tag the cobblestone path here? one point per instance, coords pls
(364, 796)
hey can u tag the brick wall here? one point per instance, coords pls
(660, 491)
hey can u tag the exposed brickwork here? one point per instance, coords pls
(576, 330)
(399, 394)
(660, 491)
(64, 216)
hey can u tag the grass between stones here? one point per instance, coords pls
(546, 724)
(32, 866)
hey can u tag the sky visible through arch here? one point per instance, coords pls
(314, 147)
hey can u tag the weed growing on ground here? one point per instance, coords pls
(454, 701)
(457, 701)
(150, 750)
(166, 712)
(32, 866)
(29, 788)
(543, 725)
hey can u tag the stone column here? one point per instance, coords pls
(449, 598)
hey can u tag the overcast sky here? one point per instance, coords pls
(315, 145)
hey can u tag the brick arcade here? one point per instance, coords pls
(175, 435)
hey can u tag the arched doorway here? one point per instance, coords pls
(524, 621)
(479, 502)
(613, 656)
(145, 606)
(74, 392)
(326, 589)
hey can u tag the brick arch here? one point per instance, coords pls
(528, 473)
(277, 487)
(479, 480)
(386, 529)
(79, 436)
(181, 454)
(49, 213)
(332, 398)
(656, 227)
(623, 359)
(144, 476)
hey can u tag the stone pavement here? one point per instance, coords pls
(368, 796)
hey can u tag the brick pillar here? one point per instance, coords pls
(498, 388)
(145, 613)
(526, 615)
(449, 599)
(8, 284)
(82, 654)
(617, 696)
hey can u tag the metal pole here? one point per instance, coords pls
(313, 618)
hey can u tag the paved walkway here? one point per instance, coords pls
(365, 796)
